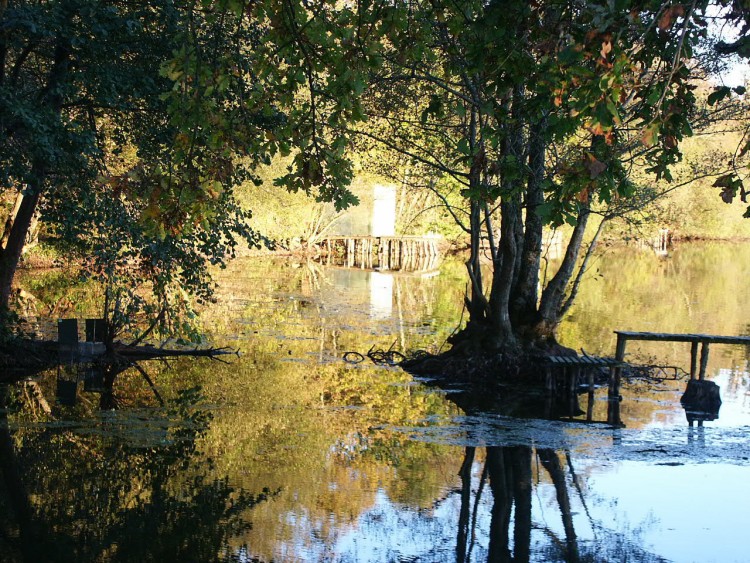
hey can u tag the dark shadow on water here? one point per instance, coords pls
(91, 491)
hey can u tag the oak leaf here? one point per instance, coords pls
(594, 166)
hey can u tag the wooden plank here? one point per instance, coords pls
(587, 361)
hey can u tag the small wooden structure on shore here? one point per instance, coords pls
(384, 252)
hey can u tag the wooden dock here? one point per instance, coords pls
(565, 372)
(384, 252)
(707, 408)
(696, 370)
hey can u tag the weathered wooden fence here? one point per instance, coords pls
(384, 252)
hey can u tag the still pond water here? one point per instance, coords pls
(287, 453)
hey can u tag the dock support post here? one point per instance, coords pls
(704, 361)
(613, 406)
(573, 375)
(550, 383)
(590, 403)
(614, 371)
(693, 359)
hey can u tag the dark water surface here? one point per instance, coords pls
(288, 453)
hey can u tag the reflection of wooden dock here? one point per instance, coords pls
(385, 252)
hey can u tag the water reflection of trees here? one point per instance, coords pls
(123, 488)
(508, 472)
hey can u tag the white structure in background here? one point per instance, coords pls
(383, 222)
(381, 295)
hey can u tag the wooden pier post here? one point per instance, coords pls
(615, 371)
(550, 382)
(693, 359)
(704, 361)
(383, 252)
(590, 403)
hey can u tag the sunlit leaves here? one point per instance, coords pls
(650, 135)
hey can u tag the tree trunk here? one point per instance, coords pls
(503, 275)
(11, 254)
(476, 302)
(51, 97)
(526, 292)
(9, 221)
(553, 295)
(506, 267)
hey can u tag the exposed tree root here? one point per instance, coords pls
(472, 361)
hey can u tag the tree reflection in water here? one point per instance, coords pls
(509, 473)
(126, 487)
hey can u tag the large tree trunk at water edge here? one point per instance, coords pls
(11, 254)
(530, 328)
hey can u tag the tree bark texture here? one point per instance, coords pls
(526, 295)
(11, 254)
(51, 97)
(553, 295)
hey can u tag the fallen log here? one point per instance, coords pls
(21, 358)
(147, 352)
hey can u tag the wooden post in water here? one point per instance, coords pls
(550, 383)
(590, 403)
(693, 359)
(613, 395)
(614, 371)
(704, 361)
(572, 377)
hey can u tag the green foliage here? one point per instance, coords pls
(131, 121)
(137, 121)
